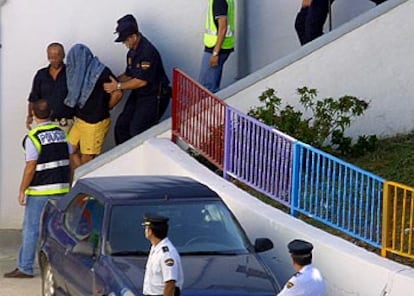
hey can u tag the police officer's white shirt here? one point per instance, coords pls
(307, 282)
(163, 265)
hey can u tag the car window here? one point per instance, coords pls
(83, 218)
(194, 227)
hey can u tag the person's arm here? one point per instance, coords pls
(306, 3)
(29, 117)
(169, 288)
(115, 98)
(130, 84)
(28, 174)
(221, 35)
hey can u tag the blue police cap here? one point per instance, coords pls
(127, 25)
(300, 247)
(154, 220)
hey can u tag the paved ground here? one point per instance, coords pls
(9, 245)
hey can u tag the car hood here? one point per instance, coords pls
(206, 275)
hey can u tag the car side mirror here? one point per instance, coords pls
(263, 244)
(83, 248)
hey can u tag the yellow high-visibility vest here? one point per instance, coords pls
(210, 34)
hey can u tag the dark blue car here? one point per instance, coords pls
(92, 241)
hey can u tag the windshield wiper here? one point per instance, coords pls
(129, 253)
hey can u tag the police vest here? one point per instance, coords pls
(210, 34)
(52, 173)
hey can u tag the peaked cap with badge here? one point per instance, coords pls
(127, 25)
(300, 247)
(154, 220)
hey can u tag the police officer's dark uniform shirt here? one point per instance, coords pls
(163, 265)
(145, 63)
(96, 107)
(54, 91)
(307, 282)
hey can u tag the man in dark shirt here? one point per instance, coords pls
(49, 83)
(145, 77)
(85, 78)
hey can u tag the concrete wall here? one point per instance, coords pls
(26, 27)
(348, 269)
(370, 58)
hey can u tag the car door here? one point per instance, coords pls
(83, 221)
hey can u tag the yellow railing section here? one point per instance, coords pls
(398, 220)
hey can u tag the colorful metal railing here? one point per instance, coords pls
(309, 181)
(337, 193)
(398, 220)
(198, 118)
(258, 155)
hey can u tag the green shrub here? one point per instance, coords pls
(325, 128)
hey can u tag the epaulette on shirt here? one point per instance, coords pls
(165, 249)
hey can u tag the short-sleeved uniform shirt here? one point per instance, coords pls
(308, 281)
(220, 8)
(145, 63)
(96, 107)
(54, 91)
(163, 265)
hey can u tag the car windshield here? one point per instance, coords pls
(195, 228)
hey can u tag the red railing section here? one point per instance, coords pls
(198, 118)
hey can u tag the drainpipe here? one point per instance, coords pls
(2, 2)
(243, 61)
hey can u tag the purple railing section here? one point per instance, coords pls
(198, 118)
(258, 155)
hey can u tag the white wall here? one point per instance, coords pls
(371, 61)
(348, 269)
(175, 27)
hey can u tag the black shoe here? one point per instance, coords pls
(17, 274)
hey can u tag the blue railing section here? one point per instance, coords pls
(258, 155)
(305, 179)
(337, 193)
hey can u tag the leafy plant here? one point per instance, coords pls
(325, 128)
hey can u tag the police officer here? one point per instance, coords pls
(218, 42)
(46, 176)
(163, 271)
(145, 77)
(307, 280)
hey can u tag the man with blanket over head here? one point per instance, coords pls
(85, 76)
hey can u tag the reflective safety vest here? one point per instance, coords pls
(52, 175)
(210, 34)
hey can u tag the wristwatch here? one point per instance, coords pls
(118, 86)
(215, 53)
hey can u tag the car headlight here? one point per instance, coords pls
(127, 292)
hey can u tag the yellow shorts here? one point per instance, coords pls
(89, 137)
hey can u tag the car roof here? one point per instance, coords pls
(129, 187)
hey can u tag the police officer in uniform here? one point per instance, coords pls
(307, 280)
(163, 271)
(46, 175)
(145, 77)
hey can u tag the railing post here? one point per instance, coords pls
(174, 107)
(227, 138)
(294, 196)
